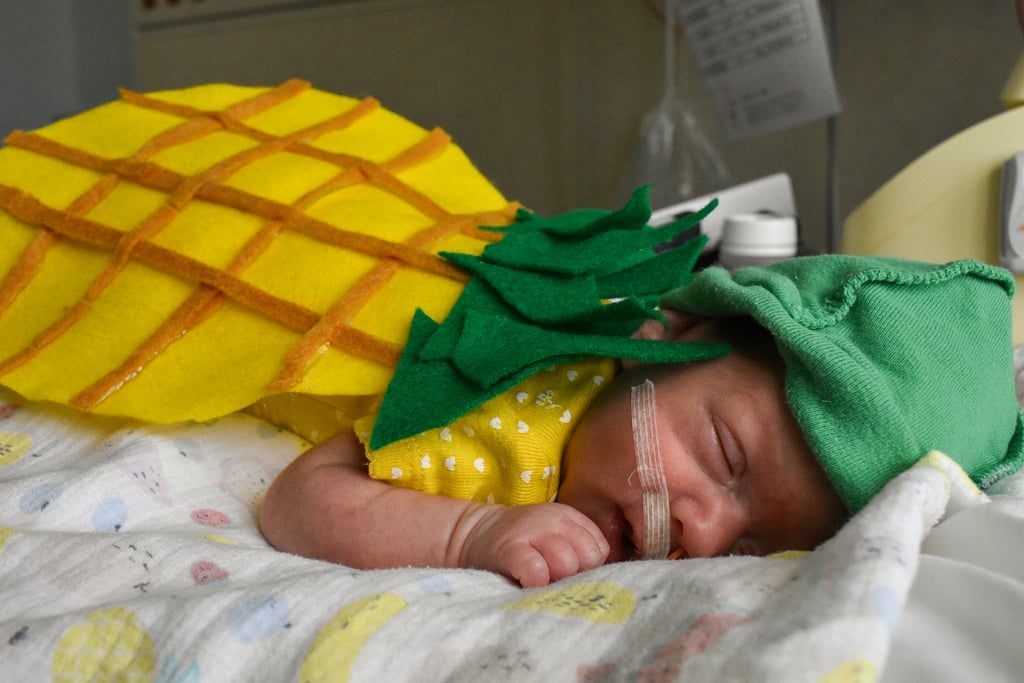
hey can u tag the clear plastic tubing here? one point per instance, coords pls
(657, 536)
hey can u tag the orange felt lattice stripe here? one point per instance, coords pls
(157, 178)
(214, 285)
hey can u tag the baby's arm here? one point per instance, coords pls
(325, 505)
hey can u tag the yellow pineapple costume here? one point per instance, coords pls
(186, 254)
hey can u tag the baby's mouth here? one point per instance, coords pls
(619, 532)
(632, 546)
(630, 551)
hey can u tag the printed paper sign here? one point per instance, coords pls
(766, 62)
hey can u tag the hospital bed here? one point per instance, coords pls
(130, 551)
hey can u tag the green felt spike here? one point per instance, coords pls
(664, 272)
(584, 223)
(566, 224)
(477, 295)
(481, 332)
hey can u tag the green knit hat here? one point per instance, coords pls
(885, 360)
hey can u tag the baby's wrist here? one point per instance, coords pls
(469, 528)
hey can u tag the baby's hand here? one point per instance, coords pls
(533, 544)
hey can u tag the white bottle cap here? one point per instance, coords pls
(760, 235)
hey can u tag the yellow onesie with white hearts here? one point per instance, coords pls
(508, 450)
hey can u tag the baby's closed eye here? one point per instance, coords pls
(733, 459)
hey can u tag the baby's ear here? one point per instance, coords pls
(675, 328)
(677, 325)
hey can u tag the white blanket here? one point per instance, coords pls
(131, 553)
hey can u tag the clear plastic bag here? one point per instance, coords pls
(673, 153)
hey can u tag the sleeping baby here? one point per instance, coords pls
(530, 395)
(841, 373)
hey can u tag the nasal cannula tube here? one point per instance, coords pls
(657, 536)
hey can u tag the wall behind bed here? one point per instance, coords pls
(545, 96)
(60, 56)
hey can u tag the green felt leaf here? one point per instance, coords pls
(552, 290)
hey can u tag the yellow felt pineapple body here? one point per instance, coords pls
(185, 254)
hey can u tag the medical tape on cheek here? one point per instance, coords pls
(653, 485)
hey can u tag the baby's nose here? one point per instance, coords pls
(710, 526)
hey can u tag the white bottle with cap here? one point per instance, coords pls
(757, 239)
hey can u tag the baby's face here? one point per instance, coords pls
(741, 479)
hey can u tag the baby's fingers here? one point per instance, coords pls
(528, 566)
(553, 556)
(562, 556)
(591, 546)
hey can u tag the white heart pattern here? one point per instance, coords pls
(425, 462)
(566, 417)
(449, 463)
(526, 476)
(479, 464)
(446, 434)
(522, 427)
(495, 423)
